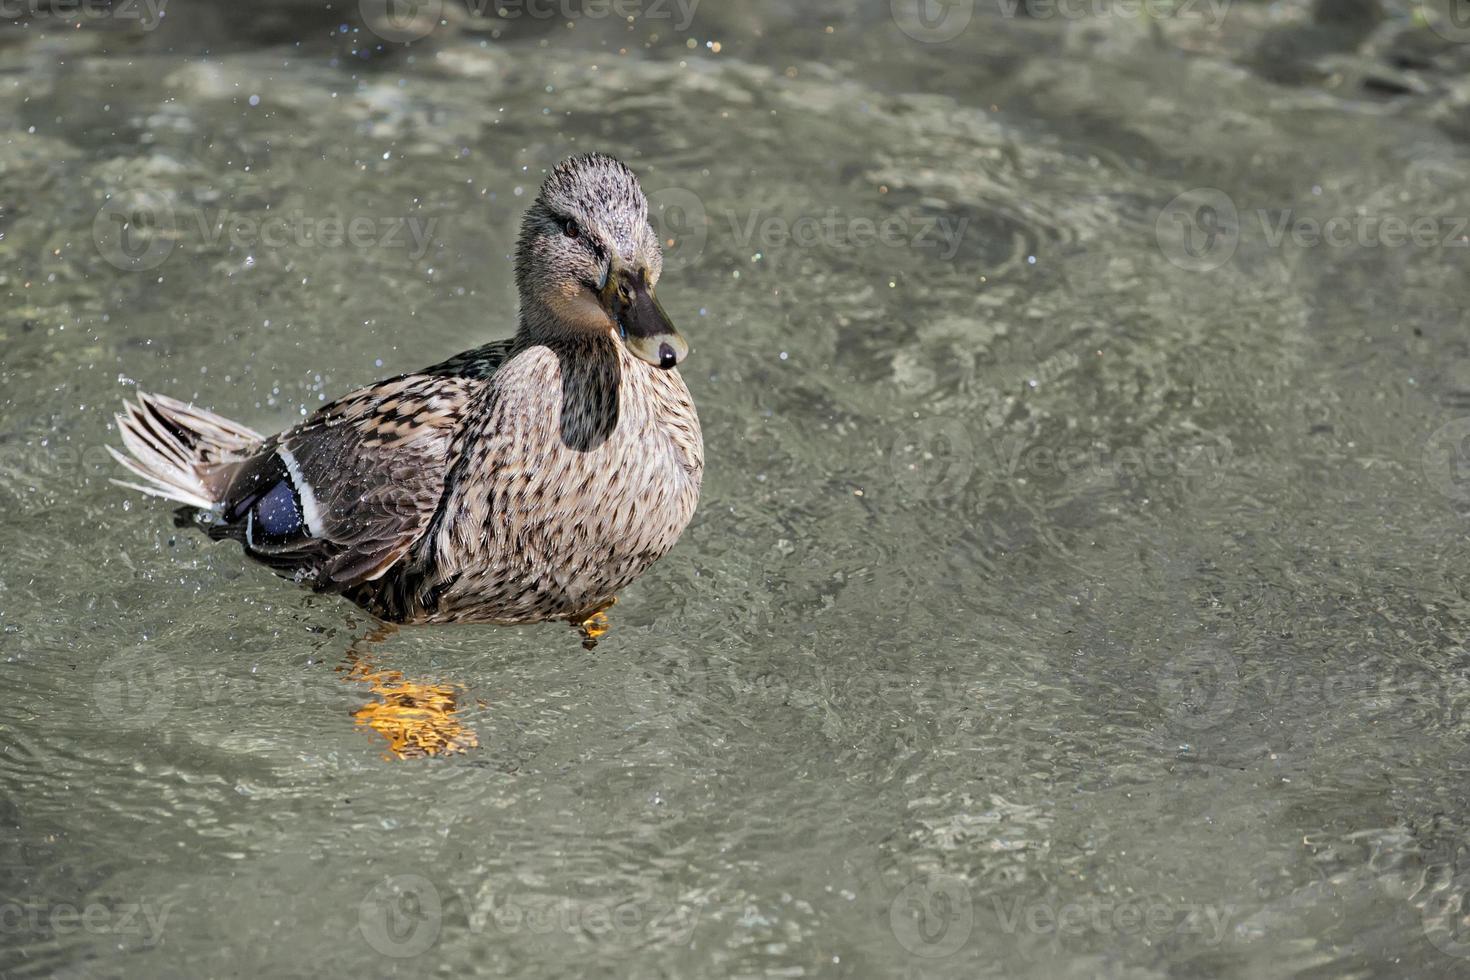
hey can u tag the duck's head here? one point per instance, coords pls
(588, 261)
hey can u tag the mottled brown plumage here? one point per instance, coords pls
(522, 481)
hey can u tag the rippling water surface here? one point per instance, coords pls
(1078, 587)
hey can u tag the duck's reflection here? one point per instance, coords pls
(417, 719)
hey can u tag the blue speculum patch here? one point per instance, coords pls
(278, 513)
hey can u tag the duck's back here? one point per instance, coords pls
(340, 500)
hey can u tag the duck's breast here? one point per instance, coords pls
(575, 482)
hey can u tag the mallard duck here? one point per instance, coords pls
(523, 481)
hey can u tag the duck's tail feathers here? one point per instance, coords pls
(181, 452)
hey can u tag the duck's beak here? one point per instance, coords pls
(642, 323)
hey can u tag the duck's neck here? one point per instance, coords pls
(571, 344)
(548, 323)
(591, 373)
(603, 389)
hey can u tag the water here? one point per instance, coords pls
(1077, 588)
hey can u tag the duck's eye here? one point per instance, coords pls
(571, 229)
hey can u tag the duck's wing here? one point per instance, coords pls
(340, 498)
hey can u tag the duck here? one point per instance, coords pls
(526, 480)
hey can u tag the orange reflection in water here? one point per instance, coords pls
(417, 719)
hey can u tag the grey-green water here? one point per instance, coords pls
(1079, 583)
